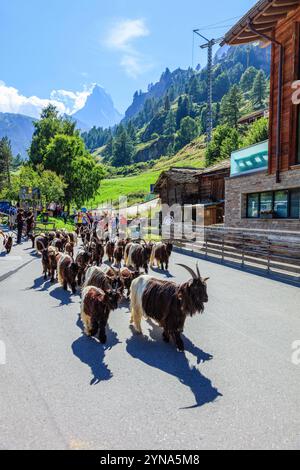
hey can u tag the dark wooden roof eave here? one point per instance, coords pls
(264, 16)
(185, 175)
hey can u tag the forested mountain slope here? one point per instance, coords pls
(172, 113)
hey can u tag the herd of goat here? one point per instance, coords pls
(103, 286)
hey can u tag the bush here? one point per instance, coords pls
(257, 132)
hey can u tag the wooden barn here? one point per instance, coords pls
(264, 188)
(186, 186)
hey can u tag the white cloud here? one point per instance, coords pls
(72, 101)
(124, 32)
(12, 101)
(67, 102)
(121, 37)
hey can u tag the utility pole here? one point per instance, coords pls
(210, 43)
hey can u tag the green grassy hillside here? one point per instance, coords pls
(138, 186)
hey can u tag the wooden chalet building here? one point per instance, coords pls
(186, 186)
(263, 190)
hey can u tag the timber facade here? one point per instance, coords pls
(185, 186)
(267, 195)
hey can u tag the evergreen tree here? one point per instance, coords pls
(231, 106)
(108, 152)
(131, 131)
(221, 86)
(167, 103)
(259, 89)
(122, 150)
(188, 131)
(248, 78)
(184, 109)
(194, 89)
(170, 124)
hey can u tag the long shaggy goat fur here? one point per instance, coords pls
(161, 253)
(96, 277)
(41, 243)
(83, 259)
(167, 303)
(110, 248)
(96, 306)
(139, 256)
(8, 243)
(67, 271)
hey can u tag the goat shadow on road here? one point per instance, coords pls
(92, 353)
(65, 297)
(165, 273)
(40, 284)
(164, 357)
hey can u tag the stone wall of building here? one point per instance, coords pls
(237, 188)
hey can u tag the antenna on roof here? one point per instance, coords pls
(210, 43)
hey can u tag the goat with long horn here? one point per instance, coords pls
(168, 303)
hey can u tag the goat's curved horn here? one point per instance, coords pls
(198, 271)
(189, 270)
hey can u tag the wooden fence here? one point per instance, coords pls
(273, 252)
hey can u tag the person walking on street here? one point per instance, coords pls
(30, 223)
(12, 217)
(20, 224)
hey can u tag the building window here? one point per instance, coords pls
(274, 204)
(281, 204)
(266, 202)
(295, 204)
(253, 206)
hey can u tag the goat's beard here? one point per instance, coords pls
(192, 305)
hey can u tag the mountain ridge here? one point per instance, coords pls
(99, 110)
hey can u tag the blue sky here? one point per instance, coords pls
(58, 48)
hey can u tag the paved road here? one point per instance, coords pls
(235, 387)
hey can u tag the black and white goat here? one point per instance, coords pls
(168, 303)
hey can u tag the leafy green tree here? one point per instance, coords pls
(16, 162)
(259, 90)
(231, 107)
(188, 131)
(52, 187)
(67, 156)
(5, 162)
(257, 132)
(49, 125)
(45, 129)
(225, 140)
(50, 184)
(122, 150)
